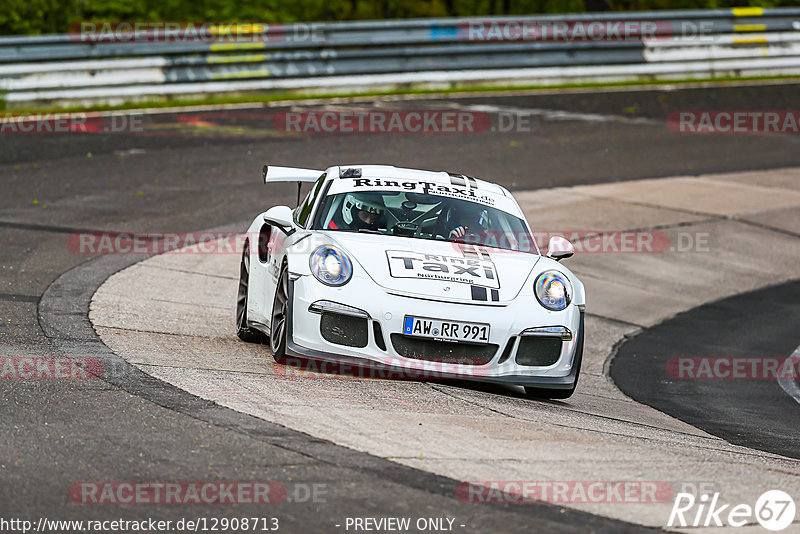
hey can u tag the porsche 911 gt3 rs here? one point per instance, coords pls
(415, 271)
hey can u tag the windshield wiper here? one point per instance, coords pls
(368, 231)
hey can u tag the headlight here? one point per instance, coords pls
(553, 290)
(331, 266)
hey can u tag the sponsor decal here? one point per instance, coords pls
(473, 271)
(480, 293)
(426, 188)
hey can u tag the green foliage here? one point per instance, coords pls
(25, 17)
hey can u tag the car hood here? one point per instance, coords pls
(439, 270)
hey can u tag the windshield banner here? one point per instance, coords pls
(472, 194)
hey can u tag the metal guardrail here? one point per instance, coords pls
(350, 56)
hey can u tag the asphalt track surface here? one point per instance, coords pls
(199, 170)
(749, 411)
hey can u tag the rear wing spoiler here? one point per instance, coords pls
(271, 174)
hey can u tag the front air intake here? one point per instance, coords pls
(345, 330)
(442, 351)
(534, 351)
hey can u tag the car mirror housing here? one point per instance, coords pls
(280, 216)
(559, 248)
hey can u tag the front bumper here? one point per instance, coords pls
(388, 310)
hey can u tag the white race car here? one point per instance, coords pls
(426, 274)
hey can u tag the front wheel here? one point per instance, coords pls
(243, 331)
(280, 316)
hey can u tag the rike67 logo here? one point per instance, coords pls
(774, 510)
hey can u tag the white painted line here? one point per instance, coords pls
(788, 382)
(554, 114)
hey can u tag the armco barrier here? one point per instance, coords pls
(353, 56)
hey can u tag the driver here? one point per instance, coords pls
(362, 210)
(466, 218)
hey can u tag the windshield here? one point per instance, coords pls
(424, 216)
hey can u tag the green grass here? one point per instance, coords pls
(278, 97)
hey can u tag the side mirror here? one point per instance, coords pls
(280, 216)
(559, 248)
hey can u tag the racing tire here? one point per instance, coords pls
(281, 309)
(559, 394)
(243, 331)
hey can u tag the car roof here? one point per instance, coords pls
(419, 175)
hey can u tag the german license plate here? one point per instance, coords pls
(444, 330)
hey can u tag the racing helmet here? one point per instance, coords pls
(473, 217)
(356, 202)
